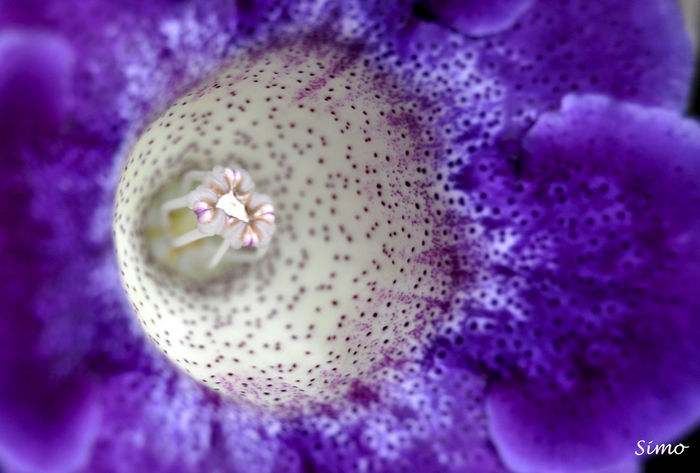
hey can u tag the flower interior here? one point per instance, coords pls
(355, 275)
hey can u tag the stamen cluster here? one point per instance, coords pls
(225, 204)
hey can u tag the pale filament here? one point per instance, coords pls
(225, 204)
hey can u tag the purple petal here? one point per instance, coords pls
(47, 417)
(631, 50)
(35, 81)
(46, 425)
(157, 420)
(588, 322)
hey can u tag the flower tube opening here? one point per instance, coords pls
(352, 282)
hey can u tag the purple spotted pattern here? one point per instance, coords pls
(580, 217)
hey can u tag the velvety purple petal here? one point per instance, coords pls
(35, 81)
(588, 320)
(632, 50)
(155, 419)
(46, 426)
(47, 417)
(476, 17)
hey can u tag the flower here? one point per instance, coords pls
(554, 198)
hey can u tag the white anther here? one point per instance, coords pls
(225, 205)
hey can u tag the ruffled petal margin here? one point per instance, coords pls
(598, 217)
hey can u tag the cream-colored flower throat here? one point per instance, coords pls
(340, 278)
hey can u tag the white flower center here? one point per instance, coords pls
(355, 274)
